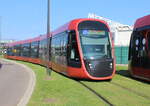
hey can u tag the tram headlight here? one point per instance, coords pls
(91, 66)
(111, 65)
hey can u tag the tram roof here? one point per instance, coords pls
(72, 25)
(25, 41)
(69, 26)
(142, 22)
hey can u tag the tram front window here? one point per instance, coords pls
(95, 44)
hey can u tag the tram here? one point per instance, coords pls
(139, 50)
(82, 48)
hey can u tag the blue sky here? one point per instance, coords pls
(23, 19)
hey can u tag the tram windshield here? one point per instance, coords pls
(95, 44)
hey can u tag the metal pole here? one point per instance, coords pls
(48, 16)
(48, 41)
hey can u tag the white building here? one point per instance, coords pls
(121, 32)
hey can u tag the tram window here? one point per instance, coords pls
(64, 43)
(144, 41)
(34, 49)
(43, 49)
(61, 45)
(143, 44)
(56, 40)
(17, 50)
(9, 51)
(74, 53)
(13, 51)
(26, 50)
(136, 48)
(137, 42)
(53, 51)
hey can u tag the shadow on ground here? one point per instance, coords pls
(126, 73)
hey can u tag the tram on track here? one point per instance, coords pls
(82, 48)
(139, 50)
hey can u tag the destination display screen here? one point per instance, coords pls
(93, 32)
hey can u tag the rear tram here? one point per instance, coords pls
(82, 48)
(139, 50)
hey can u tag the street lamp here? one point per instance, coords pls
(48, 16)
(48, 41)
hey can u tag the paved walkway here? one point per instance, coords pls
(16, 83)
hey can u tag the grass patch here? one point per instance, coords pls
(59, 91)
(1, 56)
(123, 78)
(121, 67)
(62, 91)
(119, 96)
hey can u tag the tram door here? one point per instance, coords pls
(73, 57)
(139, 50)
(135, 51)
(139, 53)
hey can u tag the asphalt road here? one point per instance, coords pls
(14, 80)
